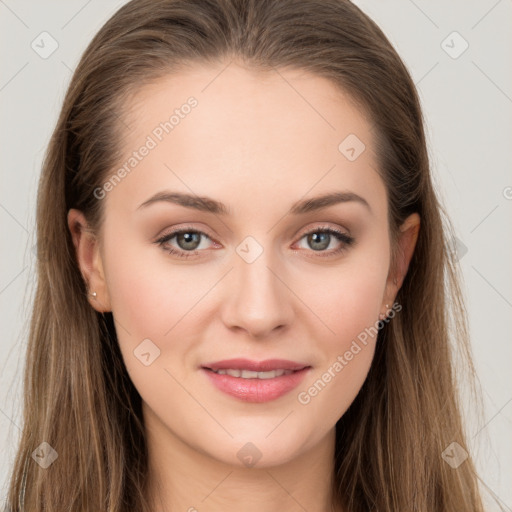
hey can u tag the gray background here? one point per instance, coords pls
(467, 101)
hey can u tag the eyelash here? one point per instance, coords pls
(339, 235)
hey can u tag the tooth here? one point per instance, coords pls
(248, 374)
(268, 375)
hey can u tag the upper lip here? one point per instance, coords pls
(256, 366)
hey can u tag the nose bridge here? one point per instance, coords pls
(258, 301)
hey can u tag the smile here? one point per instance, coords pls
(255, 386)
(248, 374)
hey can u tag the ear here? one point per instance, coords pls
(89, 260)
(408, 237)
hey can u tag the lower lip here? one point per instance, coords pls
(256, 390)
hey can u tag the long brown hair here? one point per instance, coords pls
(78, 397)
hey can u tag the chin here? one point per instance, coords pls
(258, 449)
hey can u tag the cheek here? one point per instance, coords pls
(158, 300)
(148, 303)
(148, 295)
(352, 313)
(347, 299)
(333, 388)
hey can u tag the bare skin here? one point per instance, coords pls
(257, 145)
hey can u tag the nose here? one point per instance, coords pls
(257, 301)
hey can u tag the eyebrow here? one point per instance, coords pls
(207, 204)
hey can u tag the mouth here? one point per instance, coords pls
(253, 381)
(249, 374)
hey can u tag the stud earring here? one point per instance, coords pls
(383, 315)
(93, 294)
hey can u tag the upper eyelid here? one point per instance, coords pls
(324, 227)
(302, 233)
(171, 234)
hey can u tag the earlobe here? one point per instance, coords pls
(89, 260)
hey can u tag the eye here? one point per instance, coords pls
(323, 238)
(188, 240)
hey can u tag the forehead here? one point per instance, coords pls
(284, 130)
(292, 101)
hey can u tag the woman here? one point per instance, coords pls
(243, 301)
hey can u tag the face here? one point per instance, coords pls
(253, 271)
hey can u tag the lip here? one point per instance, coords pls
(255, 366)
(256, 390)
